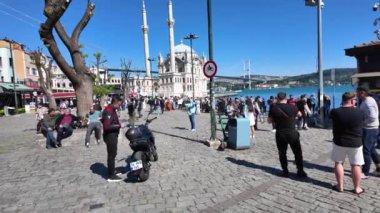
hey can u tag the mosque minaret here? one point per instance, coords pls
(174, 70)
(171, 36)
(146, 42)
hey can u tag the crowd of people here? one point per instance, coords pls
(355, 125)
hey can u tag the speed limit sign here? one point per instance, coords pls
(209, 69)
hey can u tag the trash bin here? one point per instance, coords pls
(238, 134)
(6, 113)
(11, 111)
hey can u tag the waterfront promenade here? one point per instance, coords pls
(188, 176)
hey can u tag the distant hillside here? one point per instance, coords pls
(342, 76)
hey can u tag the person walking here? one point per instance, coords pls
(94, 124)
(111, 129)
(347, 131)
(190, 105)
(370, 110)
(283, 115)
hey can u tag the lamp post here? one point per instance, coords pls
(190, 37)
(319, 5)
(150, 62)
(13, 73)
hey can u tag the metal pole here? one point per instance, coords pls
(14, 76)
(249, 74)
(211, 57)
(320, 71)
(192, 66)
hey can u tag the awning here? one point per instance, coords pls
(64, 95)
(366, 75)
(34, 87)
(19, 87)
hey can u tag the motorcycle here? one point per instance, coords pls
(141, 141)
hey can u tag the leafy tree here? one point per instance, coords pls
(80, 77)
(102, 90)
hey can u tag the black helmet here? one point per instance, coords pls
(133, 133)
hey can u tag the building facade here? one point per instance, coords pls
(180, 82)
(12, 58)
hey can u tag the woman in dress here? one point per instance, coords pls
(251, 116)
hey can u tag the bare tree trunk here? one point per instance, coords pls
(84, 90)
(51, 99)
(81, 78)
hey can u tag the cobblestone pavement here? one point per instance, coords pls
(188, 177)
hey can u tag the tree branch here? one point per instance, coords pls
(53, 12)
(82, 24)
(63, 35)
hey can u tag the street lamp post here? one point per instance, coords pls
(150, 62)
(190, 37)
(319, 5)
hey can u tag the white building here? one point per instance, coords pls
(179, 82)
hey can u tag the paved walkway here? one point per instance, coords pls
(188, 177)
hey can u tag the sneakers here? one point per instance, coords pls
(114, 178)
(193, 130)
(301, 174)
(273, 130)
(87, 144)
(364, 176)
(59, 144)
(98, 142)
(305, 128)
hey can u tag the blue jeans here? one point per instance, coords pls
(192, 120)
(369, 150)
(63, 133)
(50, 140)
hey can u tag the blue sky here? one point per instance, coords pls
(279, 37)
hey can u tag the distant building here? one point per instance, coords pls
(368, 64)
(179, 82)
(6, 62)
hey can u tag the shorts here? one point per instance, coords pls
(355, 154)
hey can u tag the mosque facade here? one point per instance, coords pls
(175, 77)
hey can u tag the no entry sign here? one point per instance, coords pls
(209, 69)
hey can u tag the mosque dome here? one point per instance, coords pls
(182, 48)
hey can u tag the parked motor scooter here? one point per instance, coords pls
(144, 150)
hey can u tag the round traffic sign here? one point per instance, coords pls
(209, 69)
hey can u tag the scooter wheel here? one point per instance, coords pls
(143, 174)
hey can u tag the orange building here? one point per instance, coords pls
(18, 62)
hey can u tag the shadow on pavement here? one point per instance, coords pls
(176, 136)
(277, 172)
(181, 128)
(310, 165)
(101, 170)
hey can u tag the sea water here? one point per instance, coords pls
(297, 91)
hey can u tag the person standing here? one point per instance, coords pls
(111, 129)
(251, 116)
(283, 116)
(94, 124)
(191, 112)
(347, 131)
(370, 110)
